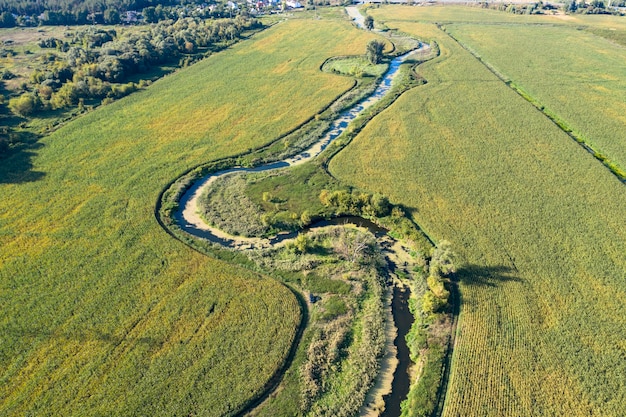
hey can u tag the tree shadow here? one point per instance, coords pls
(485, 276)
(16, 165)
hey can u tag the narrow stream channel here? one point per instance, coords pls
(401, 380)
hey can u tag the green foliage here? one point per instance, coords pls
(442, 259)
(225, 205)
(25, 105)
(435, 285)
(305, 218)
(338, 358)
(342, 360)
(355, 246)
(302, 243)
(95, 62)
(356, 66)
(374, 51)
(318, 284)
(422, 398)
(334, 306)
(7, 20)
(431, 303)
(357, 203)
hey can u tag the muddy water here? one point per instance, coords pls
(401, 381)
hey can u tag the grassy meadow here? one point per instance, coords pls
(538, 224)
(102, 312)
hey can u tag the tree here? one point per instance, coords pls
(353, 245)
(7, 20)
(431, 303)
(302, 243)
(25, 105)
(67, 96)
(369, 22)
(112, 16)
(374, 51)
(442, 260)
(380, 205)
(149, 15)
(305, 218)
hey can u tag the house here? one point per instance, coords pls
(131, 16)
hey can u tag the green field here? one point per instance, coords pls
(537, 221)
(584, 83)
(102, 312)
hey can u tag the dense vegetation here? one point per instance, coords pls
(346, 339)
(72, 73)
(131, 321)
(93, 61)
(430, 335)
(255, 204)
(537, 222)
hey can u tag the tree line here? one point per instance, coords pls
(96, 59)
(71, 12)
(575, 6)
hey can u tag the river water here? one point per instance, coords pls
(400, 385)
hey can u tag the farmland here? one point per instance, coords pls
(583, 84)
(537, 221)
(102, 312)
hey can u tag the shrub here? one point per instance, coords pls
(25, 105)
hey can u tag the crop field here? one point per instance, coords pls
(102, 312)
(462, 14)
(584, 84)
(537, 221)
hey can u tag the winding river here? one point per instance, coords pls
(187, 216)
(188, 219)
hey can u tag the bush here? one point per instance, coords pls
(422, 398)
(25, 105)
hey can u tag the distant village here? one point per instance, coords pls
(150, 14)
